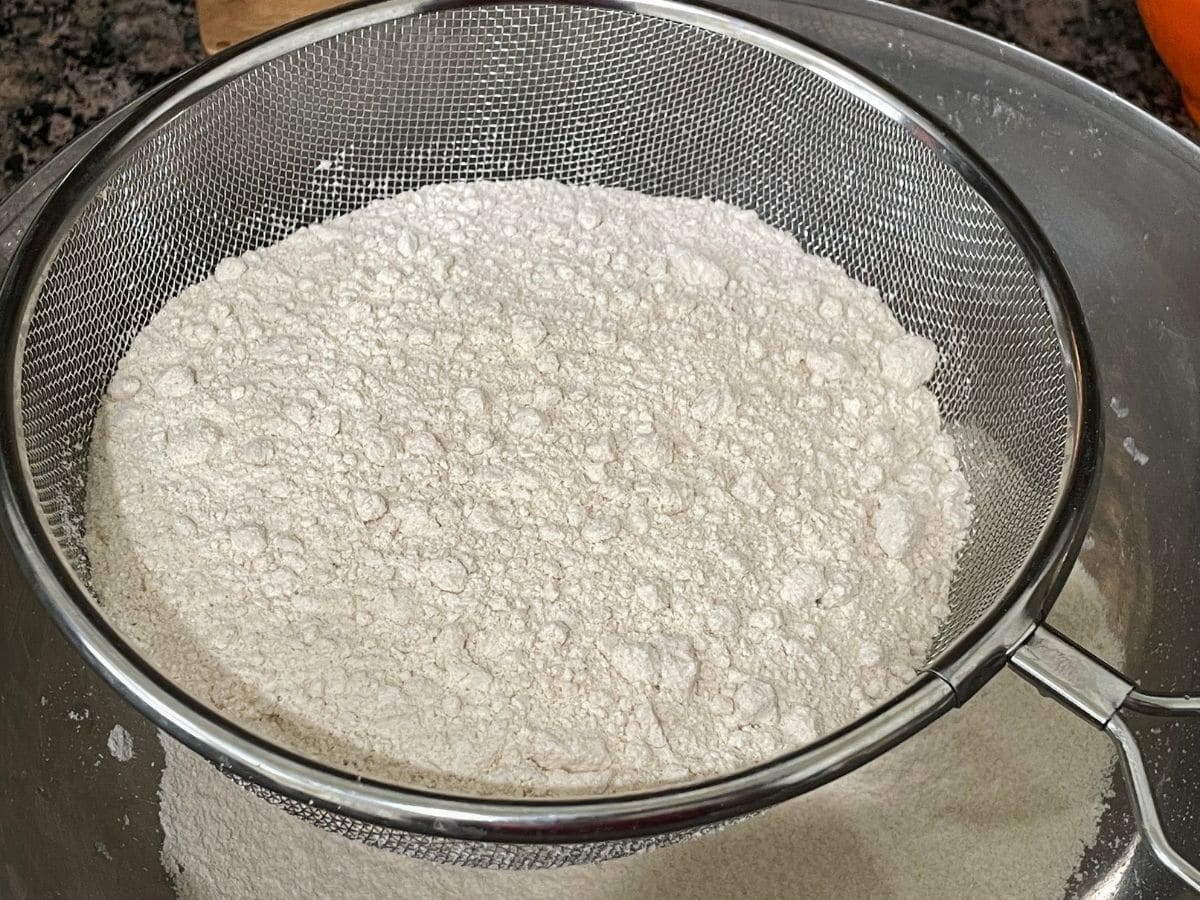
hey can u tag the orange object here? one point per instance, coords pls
(1174, 26)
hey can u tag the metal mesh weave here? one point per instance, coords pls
(580, 95)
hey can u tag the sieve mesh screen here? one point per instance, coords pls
(579, 95)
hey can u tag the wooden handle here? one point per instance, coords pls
(224, 23)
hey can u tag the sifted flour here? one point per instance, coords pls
(524, 488)
(998, 799)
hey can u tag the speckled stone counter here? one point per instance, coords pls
(64, 64)
(1102, 40)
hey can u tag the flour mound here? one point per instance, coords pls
(528, 489)
(997, 799)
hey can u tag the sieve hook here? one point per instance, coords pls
(1062, 669)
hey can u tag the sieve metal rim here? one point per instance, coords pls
(959, 670)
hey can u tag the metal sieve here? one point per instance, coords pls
(319, 119)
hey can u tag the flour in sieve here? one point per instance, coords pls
(524, 488)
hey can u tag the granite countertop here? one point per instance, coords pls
(64, 64)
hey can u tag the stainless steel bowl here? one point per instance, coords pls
(1135, 540)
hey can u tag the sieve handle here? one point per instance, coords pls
(1062, 669)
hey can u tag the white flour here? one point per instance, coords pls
(997, 799)
(526, 488)
(120, 744)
